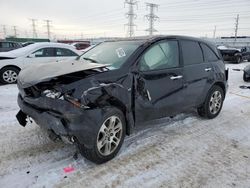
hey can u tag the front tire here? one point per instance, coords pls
(8, 75)
(109, 137)
(213, 103)
(238, 59)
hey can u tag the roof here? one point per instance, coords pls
(159, 37)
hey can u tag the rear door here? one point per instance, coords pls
(196, 71)
(158, 83)
(64, 54)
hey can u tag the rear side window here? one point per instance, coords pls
(5, 45)
(45, 52)
(64, 52)
(192, 53)
(209, 55)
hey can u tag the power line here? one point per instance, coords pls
(151, 17)
(34, 27)
(48, 25)
(131, 16)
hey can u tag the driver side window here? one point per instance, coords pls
(162, 55)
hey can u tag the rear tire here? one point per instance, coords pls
(109, 138)
(213, 103)
(245, 77)
(8, 75)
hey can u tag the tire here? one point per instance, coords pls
(8, 75)
(238, 59)
(245, 78)
(212, 105)
(101, 153)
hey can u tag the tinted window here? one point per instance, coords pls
(64, 52)
(192, 53)
(160, 56)
(45, 52)
(5, 45)
(208, 53)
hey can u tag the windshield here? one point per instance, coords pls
(113, 53)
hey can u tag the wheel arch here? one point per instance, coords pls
(222, 85)
(128, 116)
(10, 66)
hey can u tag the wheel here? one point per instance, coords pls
(245, 77)
(109, 138)
(238, 59)
(213, 103)
(8, 75)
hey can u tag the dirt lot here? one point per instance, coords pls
(185, 151)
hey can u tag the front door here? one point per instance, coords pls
(158, 82)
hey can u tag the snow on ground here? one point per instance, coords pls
(186, 151)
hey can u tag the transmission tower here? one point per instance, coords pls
(48, 25)
(15, 30)
(131, 16)
(34, 27)
(236, 27)
(4, 30)
(214, 35)
(151, 17)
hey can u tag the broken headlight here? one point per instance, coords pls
(52, 94)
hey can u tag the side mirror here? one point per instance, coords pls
(31, 56)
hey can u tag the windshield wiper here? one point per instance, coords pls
(93, 60)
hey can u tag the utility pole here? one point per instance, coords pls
(151, 17)
(48, 22)
(236, 27)
(131, 16)
(15, 30)
(4, 30)
(34, 27)
(214, 35)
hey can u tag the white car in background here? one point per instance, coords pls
(12, 62)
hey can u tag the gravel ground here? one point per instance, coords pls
(185, 151)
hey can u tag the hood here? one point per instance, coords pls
(38, 73)
(9, 54)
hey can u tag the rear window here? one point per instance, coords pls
(209, 55)
(192, 53)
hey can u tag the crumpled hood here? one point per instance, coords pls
(38, 73)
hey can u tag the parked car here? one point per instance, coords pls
(81, 45)
(246, 74)
(27, 43)
(245, 51)
(12, 62)
(98, 99)
(6, 46)
(234, 54)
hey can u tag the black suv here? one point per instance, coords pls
(97, 99)
(6, 46)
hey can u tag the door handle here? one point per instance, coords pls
(208, 69)
(176, 77)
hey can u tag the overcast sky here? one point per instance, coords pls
(96, 18)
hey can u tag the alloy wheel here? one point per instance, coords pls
(9, 76)
(109, 135)
(215, 102)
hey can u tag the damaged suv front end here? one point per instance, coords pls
(70, 99)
